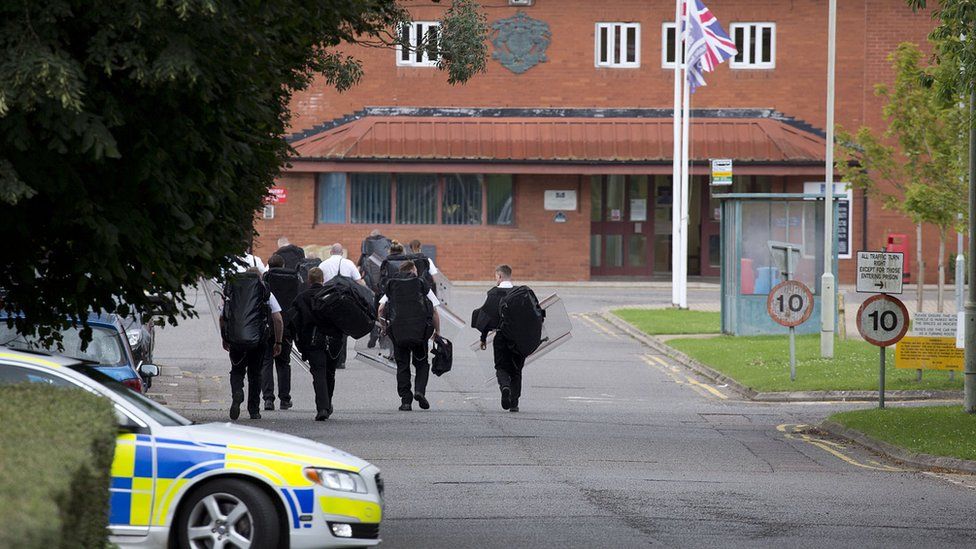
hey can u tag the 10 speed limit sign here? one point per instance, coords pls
(790, 303)
(882, 320)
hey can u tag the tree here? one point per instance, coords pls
(138, 139)
(924, 177)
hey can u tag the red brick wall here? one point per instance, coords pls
(535, 246)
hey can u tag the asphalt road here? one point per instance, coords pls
(614, 447)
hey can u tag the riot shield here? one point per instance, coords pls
(443, 288)
(376, 349)
(556, 330)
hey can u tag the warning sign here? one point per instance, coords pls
(934, 325)
(928, 353)
(879, 272)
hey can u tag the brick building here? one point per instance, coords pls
(558, 158)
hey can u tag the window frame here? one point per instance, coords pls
(749, 64)
(665, 64)
(611, 27)
(413, 40)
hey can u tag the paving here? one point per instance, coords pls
(615, 446)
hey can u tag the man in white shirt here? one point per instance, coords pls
(337, 265)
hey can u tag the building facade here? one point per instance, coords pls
(558, 159)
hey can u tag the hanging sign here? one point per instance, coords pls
(721, 171)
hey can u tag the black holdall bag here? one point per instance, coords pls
(443, 356)
(303, 268)
(390, 269)
(521, 320)
(344, 307)
(409, 314)
(246, 312)
(292, 254)
(285, 285)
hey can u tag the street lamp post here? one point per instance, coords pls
(969, 382)
(827, 280)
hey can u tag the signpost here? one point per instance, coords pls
(882, 320)
(790, 304)
(879, 272)
(721, 171)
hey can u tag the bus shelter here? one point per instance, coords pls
(767, 238)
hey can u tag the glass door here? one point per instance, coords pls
(621, 226)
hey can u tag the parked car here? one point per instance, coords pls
(140, 331)
(179, 484)
(108, 351)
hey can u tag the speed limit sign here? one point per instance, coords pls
(790, 303)
(882, 320)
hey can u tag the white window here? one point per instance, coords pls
(669, 45)
(756, 43)
(418, 44)
(617, 45)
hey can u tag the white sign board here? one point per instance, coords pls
(934, 325)
(879, 272)
(560, 200)
(882, 320)
(845, 213)
(721, 171)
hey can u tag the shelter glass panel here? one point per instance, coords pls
(369, 195)
(332, 198)
(416, 199)
(462, 199)
(500, 199)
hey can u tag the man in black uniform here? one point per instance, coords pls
(285, 285)
(508, 362)
(321, 351)
(410, 308)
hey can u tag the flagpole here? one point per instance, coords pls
(827, 306)
(683, 218)
(676, 159)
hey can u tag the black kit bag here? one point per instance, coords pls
(303, 268)
(521, 320)
(246, 312)
(344, 307)
(284, 284)
(379, 245)
(390, 269)
(292, 254)
(409, 314)
(443, 356)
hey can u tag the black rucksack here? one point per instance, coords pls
(344, 307)
(246, 312)
(306, 265)
(521, 320)
(409, 314)
(443, 352)
(284, 284)
(379, 245)
(390, 269)
(292, 254)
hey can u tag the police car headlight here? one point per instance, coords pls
(332, 479)
(134, 337)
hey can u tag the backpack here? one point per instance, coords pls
(423, 269)
(521, 320)
(443, 356)
(303, 268)
(285, 285)
(409, 314)
(292, 254)
(343, 307)
(246, 312)
(379, 245)
(390, 269)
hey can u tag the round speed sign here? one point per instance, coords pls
(790, 303)
(882, 320)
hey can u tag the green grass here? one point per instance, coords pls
(936, 430)
(672, 321)
(763, 363)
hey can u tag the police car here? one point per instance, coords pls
(178, 484)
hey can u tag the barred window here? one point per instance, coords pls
(332, 198)
(416, 196)
(462, 199)
(369, 198)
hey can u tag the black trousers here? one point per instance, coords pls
(508, 366)
(281, 365)
(322, 365)
(402, 355)
(248, 364)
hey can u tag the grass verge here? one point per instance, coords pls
(937, 430)
(672, 321)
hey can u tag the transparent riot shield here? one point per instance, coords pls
(556, 330)
(443, 288)
(376, 349)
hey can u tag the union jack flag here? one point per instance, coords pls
(708, 44)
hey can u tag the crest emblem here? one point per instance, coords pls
(520, 42)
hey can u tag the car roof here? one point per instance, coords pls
(37, 358)
(94, 319)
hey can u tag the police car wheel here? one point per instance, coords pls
(227, 513)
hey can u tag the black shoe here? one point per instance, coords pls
(269, 405)
(422, 401)
(405, 407)
(341, 366)
(235, 405)
(285, 405)
(506, 398)
(513, 409)
(255, 415)
(322, 416)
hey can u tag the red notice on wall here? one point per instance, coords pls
(278, 195)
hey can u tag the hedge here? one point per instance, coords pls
(56, 451)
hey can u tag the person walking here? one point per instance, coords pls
(244, 321)
(419, 257)
(284, 284)
(337, 265)
(410, 310)
(320, 350)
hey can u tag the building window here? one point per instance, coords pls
(417, 45)
(416, 196)
(499, 199)
(332, 198)
(618, 45)
(369, 198)
(462, 199)
(669, 46)
(756, 43)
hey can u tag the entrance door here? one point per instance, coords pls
(621, 226)
(711, 218)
